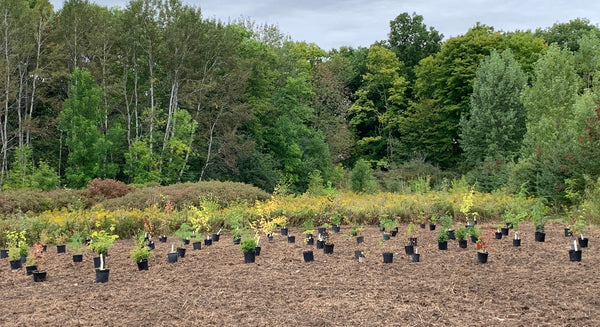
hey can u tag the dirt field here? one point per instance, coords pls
(534, 285)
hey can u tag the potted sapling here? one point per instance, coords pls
(199, 220)
(387, 224)
(16, 242)
(172, 256)
(498, 234)
(140, 253)
(308, 228)
(248, 247)
(100, 242)
(38, 256)
(355, 231)
(412, 241)
(60, 238)
(442, 239)
(575, 252)
(461, 236)
(577, 230)
(183, 233)
(446, 222)
(388, 256)
(75, 247)
(327, 244)
(335, 220)
(539, 218)
(514, 225)
(507, 219)
(102, 272)
(474, 233)
(432, 221)
(482, 248)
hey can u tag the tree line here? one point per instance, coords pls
(156, 93)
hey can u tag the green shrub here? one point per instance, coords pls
(361, 179)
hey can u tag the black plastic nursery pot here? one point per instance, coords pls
(568, 232)
(172, 257)
(185, 241)
(431, 226)
(336, 228)
(270, 238)
(462, 244)
(409, 249)
(412, 241)
(540, 237)
(358, 254)
(23, 258)
(150, 244)
(583, 242)
(257, 250)
(15, 264)
(198, 245)
(142, 265)
(328, 248)
(39, 276)
(29, 269)
(393, 233)
(284, 231)
(386, 236)
(388, 257)
(360, 239)
(473, 239)
(249, 257)
(77, 257)
(207, 242)
(482, 257)
(3, 253)
(443, 245)
(422, 226)
(451, 235)
(517, 242)
(162, 239)
(102, 275)
(216, 237)
(60, 248)
(320, 244)
(181, 252)
(416, 257)
(97, 262)
(322, 230)
(310, 241)
(574, 255)
(291, 239)
(504, 230)
(498, 235)
(308, 256)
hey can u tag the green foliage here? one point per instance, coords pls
(461, 233)
(141, 251)
(496, 122)
(442, 235)
(101, 241)
(361, 178)
(45, 177)
(75, 245)
(248, 245)
(184, 231)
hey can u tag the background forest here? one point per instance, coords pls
(155, 93)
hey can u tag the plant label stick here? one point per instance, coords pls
(172, 247)
(101, 261)
(575, 245)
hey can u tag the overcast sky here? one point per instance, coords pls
(334, 23)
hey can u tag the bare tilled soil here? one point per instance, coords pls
(533, 285)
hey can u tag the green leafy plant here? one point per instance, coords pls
(335, 219)
(308, 227)
(141, 251)
(539, 215)
(184, 232)
(248, 245)
(410, 229)
(446, 221)
(474, 231)
(442, 235)
(461, 233)
(356, 229)
(17, 244)
(75, 245)
(388, 223)
(101, 241)
(385, 246)
(578, 226)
